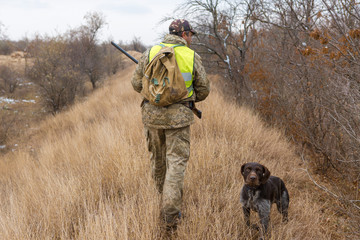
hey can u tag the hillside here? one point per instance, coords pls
(88, 175)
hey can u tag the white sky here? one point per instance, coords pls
(126, 18)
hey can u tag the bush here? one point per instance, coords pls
(10, 79)
(6, 47)
(112, 59)
(53, 70)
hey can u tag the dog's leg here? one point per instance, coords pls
(247, 219)
(264, 214)
(284, 205)
(264, 220)
(246, 215)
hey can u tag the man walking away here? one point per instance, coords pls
(167, 128)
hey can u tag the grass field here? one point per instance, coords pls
(88, 175)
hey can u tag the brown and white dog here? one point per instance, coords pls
(260, 191)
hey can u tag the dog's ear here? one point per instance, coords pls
(242, 168)
(266, 175)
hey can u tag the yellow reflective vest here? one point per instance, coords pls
(185, 58)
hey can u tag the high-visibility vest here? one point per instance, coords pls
(185, 58)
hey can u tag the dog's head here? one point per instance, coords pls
(254, 174)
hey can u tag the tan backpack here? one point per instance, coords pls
(163, 84)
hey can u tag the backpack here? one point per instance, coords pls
(163, 83)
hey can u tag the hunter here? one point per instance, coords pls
(167, 129)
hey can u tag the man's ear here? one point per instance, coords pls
(266, 175)
(185, 34)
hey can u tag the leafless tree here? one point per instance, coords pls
(112, 59)
(226, 32)
(85, 50)
(137, 45)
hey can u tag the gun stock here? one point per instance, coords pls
(197, 112)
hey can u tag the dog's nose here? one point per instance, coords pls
(252, 178)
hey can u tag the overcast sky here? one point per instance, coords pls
(126, 18)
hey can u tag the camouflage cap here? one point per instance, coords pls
(181, 25)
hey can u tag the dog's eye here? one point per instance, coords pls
(247, 170)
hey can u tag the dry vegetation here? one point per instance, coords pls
(20, 107)
(296, 62)
(88, 176)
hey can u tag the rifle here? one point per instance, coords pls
(124, 52)
(196, 111)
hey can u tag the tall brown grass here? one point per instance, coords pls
(88, 176)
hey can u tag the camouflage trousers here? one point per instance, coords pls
(170, 152)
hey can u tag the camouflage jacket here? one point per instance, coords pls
(176, 115)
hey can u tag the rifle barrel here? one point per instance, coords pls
(124, 52)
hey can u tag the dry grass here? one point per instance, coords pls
(16, 61)
(89, 178)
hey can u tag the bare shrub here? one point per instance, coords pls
(112, 58)
(55, 73)
(313, 78)
(10, 79)
(22, 44)
(5, 45)
(136, 45)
